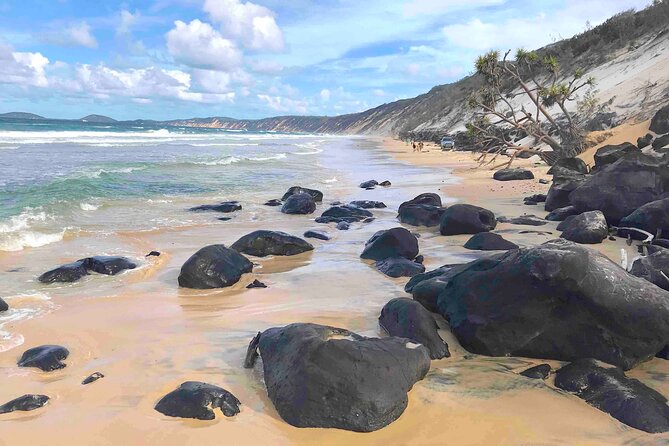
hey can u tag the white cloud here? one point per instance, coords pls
(24, 69)
(126, 22)
(198, 45)
(432, 7)
(77, 34)
(325, 95)
(253, 24)
(212, 81)
(282, 104)
(379, 93)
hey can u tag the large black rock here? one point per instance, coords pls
(108, 265)
(226, 207)
(621, 188)
(349, 214)
(396, 242)
(661, 144)
(426, 288)
(271, 243)
(320, 235)
(420, 214)
(654, 268)
(70, 272)
(318, 376)
(524, 220)
(540, 371)
(571, 164)
(588, 227)
(45, 357)
(214, 266)
(197, 400)
(660, 122)
(488, 241)
(428, 198)
(562, 187)
(299, 204)
(608, 389)
(513, 175)
(558, 301)
(561, 214)
(370, 184)
(315, 194)
(406, 318)
(399, 267)
(466, 219)
(612, 153)
(651, 217)
(3, 305)
(24, 403)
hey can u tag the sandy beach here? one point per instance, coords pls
(147, 336)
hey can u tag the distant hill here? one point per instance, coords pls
(98, 119)
(21, 115)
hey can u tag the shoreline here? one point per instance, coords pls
(148, 336)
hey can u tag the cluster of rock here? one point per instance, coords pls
(71, 272)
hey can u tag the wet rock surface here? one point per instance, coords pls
(608, 389)
(46, 357)
(24, 403)
(391, 243)
(399, 267)
(319, 376)
(226, 207)
(406, 318)
(587, 228)
(315, 194)
(214, 266)
(198, 400)
(537, 372)
(488, 241)
(466, 219)
(271, 243)
(299, 204)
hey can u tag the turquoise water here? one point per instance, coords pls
(54, 174)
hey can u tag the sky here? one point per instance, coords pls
(169, 59)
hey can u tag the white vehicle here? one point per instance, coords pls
(447, 143)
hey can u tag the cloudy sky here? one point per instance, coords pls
(164, 59)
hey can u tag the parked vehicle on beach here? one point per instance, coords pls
(447, 143)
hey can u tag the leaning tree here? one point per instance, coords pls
(523, 106)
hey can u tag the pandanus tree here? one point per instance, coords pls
(528, 99)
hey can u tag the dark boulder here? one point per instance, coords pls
(153, 254)
(399, 267)
(226, 207)
(561, 214)
(295, 190)
(535, 199)
(24, 403)
(420, 214)
(537, 372)
(426, 276)
(645, 141)
(660, 122)
(466, 219)
(660, 144)
(255, 284)
(92, 378)
(513, 175)
(419, 259)
(608, 389)
(109, 266)
(654, 268)
(214, 266)
(3, 305)
(299, 204)
(588, 227)
(524, 220)
(368, 204)
(396, 242)
(610, 154)
(406, 318)
(558, 194)
(564, 224)
(651, 217)
(46, 357)
(197, 400)
(428, 198)
(559, 301)
(318, 376)
(271, 243)
(488, 241)
(349, 214)
(343, 226)
(273, 203)
(624, 186)
(427, 291)
(370, 184)
(573, 164)
(70, 272)
(320, 235)
(385, 183)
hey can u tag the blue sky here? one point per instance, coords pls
(165, 59)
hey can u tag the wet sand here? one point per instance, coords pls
(147, 336)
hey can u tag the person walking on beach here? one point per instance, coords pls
(413, 144)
